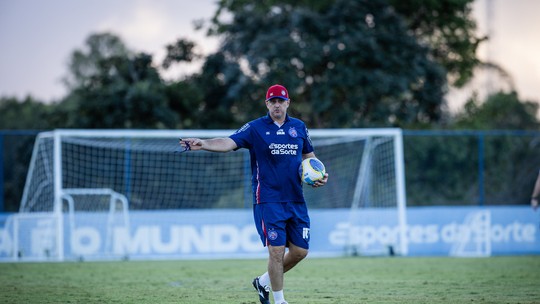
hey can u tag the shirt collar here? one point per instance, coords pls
(269, 119)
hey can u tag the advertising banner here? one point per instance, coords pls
(200, 234)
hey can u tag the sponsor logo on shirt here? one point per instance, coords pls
(283, 149)
(242, 129)
(280, 132)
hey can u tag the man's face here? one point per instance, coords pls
(277, 108)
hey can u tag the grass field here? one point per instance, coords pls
(340, 280)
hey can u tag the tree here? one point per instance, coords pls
(85, 65)
(113, 88)
(450, 163)
(448, 28)
(499, 111)
(211, 98)
(346, 63)
(16, 148)
(230, 97)
(28, 113)
(182, 50)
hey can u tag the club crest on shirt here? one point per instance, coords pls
(292, 132)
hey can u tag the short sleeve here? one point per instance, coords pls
(242, 136)
(308, 145)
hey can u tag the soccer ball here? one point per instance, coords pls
(311, 170)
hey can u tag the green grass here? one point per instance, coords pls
(343, 280)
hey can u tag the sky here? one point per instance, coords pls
(38, 37)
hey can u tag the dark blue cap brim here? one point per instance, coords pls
(280, 97)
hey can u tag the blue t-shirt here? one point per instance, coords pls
(276, 153)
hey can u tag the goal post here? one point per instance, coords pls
(75, 174)
(376, 173)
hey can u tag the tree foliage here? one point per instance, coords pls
(470, 167)
(346, 63)
(28, 113)
(448, 28)
(499, 111)
(86, 64)
(112, 88)
(450, 163)
(180, 51)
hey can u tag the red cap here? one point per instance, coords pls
(277, 91)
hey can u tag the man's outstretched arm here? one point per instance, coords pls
(222, 144)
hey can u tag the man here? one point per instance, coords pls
(536, 193)
(277, 144)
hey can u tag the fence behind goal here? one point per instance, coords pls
(75, 174)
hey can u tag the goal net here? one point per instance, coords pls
(77, 173)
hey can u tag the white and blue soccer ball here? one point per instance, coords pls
(311, 170)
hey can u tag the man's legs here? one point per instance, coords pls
(282, 223)
(276, 266)
(280, 262)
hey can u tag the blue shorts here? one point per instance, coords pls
(279, 224)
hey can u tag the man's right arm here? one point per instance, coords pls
(222, 144)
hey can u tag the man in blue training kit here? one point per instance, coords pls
(277, 144)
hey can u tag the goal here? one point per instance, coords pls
(368, 176)
(75, 174)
